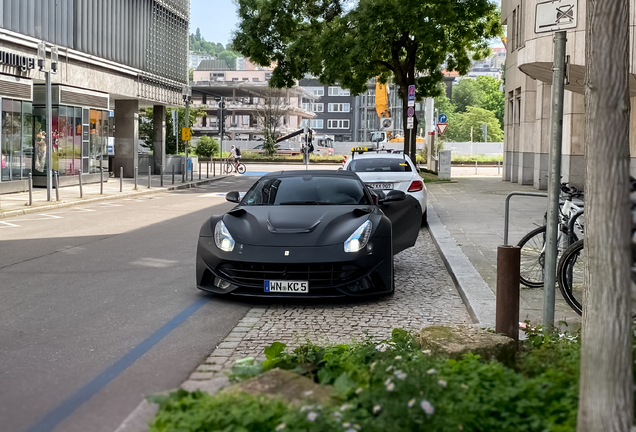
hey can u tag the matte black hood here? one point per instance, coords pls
(306, 225)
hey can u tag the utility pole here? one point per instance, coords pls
(606, 394)
(48, 110)
(187, 97)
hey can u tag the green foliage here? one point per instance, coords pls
(467, 93)
(146, 129)
(230, 57)
(492, 98)
(206, 147)
(269, 146)
(461, 123)
(394, 386)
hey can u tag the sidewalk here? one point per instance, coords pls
(472, 210)
(17, 203)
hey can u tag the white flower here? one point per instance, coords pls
(336, 414)
(344, 408)
(390, 387)
(398, 357)
(356, 426)
(359, 390)
(306, 408)
(427, 407)
(350, 430)
(442, 382)
(389, 368)
(464, 386)
(280, 427)
(387, 381)
(382, 347)
(346, 425)
(373, 365)
(376, 408)
(312, 415)
(400, 375)
(428, 352)
(308, 393)
(411, 403)
(431, 371)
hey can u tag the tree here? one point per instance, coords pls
(492, 99)
(270, 115)
(206, 147)
(146, 127)
(606, 394)
(467, 93)
(350, 43)
(230, 57)
(460, 124)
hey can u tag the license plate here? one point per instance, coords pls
(383, 186)
(287, 286)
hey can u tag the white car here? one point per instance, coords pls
(387, 171)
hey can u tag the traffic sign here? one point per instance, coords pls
(186, 134)
(554, 15)
(411, 94)
(409, 123)
(441, 128)
(442, 118)
(410, 112)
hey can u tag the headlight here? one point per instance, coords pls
(359, 238)
(223, 238)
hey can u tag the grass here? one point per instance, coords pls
(429, 176)
(476, 158)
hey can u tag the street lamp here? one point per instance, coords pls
(49, 110)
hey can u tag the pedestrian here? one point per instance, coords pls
(235, 153)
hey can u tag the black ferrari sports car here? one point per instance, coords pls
(307, 234)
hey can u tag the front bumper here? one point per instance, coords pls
(331, 272)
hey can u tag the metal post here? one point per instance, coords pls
(49, 135)
(507, 305)
(101, 171)
(161, 174)
(149, 176)
(183, 174)
(475, 167)
(498, 166)
(207, 169)
(213, 168)
(30, 189)
(80, 184)
(57, 187)
(172, 173)
(199, 170)
(554, 181)
(121, 179)
(192, 174)
(136, 169)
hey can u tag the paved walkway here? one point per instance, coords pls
(472, 210)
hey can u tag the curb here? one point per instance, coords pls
(475, 293)
(12, 213)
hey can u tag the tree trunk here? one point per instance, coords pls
(606, 393)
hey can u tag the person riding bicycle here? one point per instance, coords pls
(235, 154)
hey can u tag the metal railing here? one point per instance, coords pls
(507, 209)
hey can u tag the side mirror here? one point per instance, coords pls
(233, 197)
(395, 195)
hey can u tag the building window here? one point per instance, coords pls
(317, 107)
(246, 79)
(268, 75)
(255, 79)
(518, 116)
(339, 107)
(317, 91)
(338, 124)
(234, 79)
(337, 91)
(317, 124)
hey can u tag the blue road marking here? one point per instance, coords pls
(255, 173)
(66, 408)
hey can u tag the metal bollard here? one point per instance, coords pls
(30, 189)
(207, 169)
(149, 176)
(161, 174)
(199, 170)
(213, 167)
(121, 179)
(498, 162)
(172, 173)
(507, 308)
(192, 175)
(57, 187)
(101, 181)
(475, 167)
(80, 184)
(136, 172)
(183, 173)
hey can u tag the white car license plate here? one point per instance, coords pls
(383, 186)
(287, 286)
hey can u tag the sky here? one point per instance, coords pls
(216, 19)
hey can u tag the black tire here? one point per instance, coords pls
(570, 275)
(424, 220)
(532, 258)
(241, 169)
(227, 168)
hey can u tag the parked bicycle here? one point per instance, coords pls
(231, 166)
(533, 244)
(570, 271)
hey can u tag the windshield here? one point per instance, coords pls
(379, 165)
(306, 190)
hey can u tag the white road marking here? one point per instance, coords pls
(9, 225)
(218, 195)
(112, 205)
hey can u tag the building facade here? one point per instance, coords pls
(115, 56)
(528, 87)
(334, 108)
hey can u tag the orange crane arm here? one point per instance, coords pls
(382, 100)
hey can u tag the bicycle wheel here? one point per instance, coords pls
(533, 257)
(241, 168)
(570, 275)
(227, 169)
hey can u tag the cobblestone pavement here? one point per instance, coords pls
(424, 295)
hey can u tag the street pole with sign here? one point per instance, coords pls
(410, 112)
(48, 110)
(554, 16)
(187, 96)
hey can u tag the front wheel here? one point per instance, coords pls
(532, 258)
(570, 275)
(241, 168)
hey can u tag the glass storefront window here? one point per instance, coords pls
(77, 140)
(27, 138)
(11, 141)
(39, 149)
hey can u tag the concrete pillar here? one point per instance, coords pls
(126, 136)
(159, 137)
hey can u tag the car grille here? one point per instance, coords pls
(317, 274)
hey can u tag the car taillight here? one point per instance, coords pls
(416, 186)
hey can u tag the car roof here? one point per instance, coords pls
(380, 155)
(320, 173)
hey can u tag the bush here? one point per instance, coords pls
(394, 386)
(206, 147)
(270, 147)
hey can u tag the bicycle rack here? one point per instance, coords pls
(507, 209)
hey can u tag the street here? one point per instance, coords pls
(83, 287)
